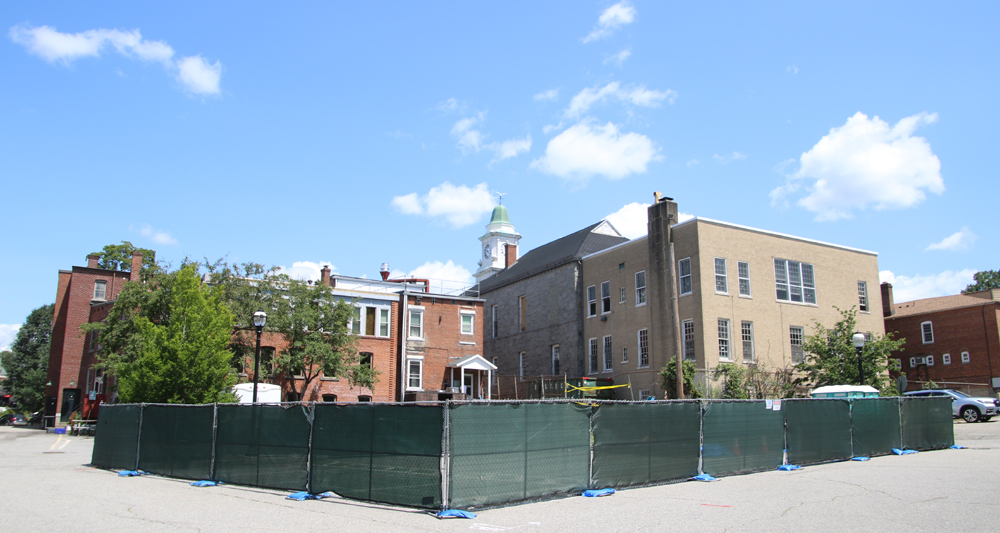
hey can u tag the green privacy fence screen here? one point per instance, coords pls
(478, 454)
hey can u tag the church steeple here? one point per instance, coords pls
(499, 233)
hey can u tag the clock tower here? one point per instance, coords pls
(499, 233)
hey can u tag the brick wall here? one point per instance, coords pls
(443, 341)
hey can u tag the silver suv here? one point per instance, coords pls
(962, 405)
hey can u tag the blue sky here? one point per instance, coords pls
(355, 134)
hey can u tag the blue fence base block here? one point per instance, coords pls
(455, 513)
(897, 451)
(205, 483)
(302, 496)
(786, 468)
(703, 477)
(594, 493)
(957, 447)
(860, 458)
(131, 473)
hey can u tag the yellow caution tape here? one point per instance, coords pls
(587, 389)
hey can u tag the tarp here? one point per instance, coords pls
(176, 440)
(818, 430)
(875, 426)
(927, 423)
(263, 445)
(116, 437)
(741, 437)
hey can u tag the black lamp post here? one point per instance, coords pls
(859, 344)
(259, 319)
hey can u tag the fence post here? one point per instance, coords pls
(138, 437)
(311, 417)
(902, 445)
(446, 454)
(701, 436)
(850, 415)
(215, 433)
(590, 420)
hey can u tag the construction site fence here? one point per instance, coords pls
(486, 453)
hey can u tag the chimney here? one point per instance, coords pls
(887, 303)
(136, 266)
(384, 271)
(324, 275)
(511, 254)
(92, 260)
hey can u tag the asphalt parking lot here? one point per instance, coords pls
(48, 486)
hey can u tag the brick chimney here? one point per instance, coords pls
(324, 275)
(887, 302)
(136, 266)
(92, 260)
(511, 254)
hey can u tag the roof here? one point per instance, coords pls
(940, 303)
(572, 247)
(500, 215)
(475, 362)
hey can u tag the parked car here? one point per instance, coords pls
(962, 405)
(11, 419)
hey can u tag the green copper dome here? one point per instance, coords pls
(500, 215)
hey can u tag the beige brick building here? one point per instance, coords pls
(746, 296)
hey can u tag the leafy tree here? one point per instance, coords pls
(27, 362)
(668, 376)
(831, 358)
(185, 359)
(986, 279)
(315, 325)
(754, 382)
(119, 257)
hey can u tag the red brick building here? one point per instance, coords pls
(953, 341)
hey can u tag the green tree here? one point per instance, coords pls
(831, 358)
(986, 279)
(668, 376)
(27, 362)
(185, 359)
(754, 382)
(315, 326)
(119, 257)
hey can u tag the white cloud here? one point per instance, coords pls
(631, 220)
(865, 163)
(692, 162)
(586, 149)
(198, 75)
(194, 73)
(637, 95)
(728, 158)
(7, 334)
(610, 20)
(444, 278)
(510, 148)
(619, 58)
(448, 106)
(793, 69)
(473, 140)
(459, 206)
(550, 94)
(908, 288)
(155, 235)
(960, 240)
(305, 270)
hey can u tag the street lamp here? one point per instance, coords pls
(859, 343)
(259, 319)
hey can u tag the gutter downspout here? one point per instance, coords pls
(402, 344)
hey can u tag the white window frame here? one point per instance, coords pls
(622, 299)
(605, 297)
(721, 276)
(643, 394)
(687, 329)
(609, 364)
(640, 288)
(925, 329)
(929, 360)
(419, 311)
(785, 281)
(472, 321)
(555, 359)
(863, 303)
(725, 346)
(743, 280)
(746, 333)
(496, 321)
(522, 313)
(419, 359)
(966, 358)
(592, 356)
(520, 364)
(101, 294)
(946, 359)
(684, 280)
(642, 339)
(591, 301)
(624, 354)
(800, 332)
(361, 310)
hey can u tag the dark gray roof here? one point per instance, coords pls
(554, 254)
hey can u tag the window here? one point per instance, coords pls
(95, 381)
(946, 359)
(496, 322)
(100, 290)
(414, 373)
(605, 297)
(370, 320)
(93, 341)
(644, 394)
(688, 327)
(468, 319)
(721, 279)
(608, 363)
(684, 271)
(794, 281)
(746, 328)
(640, 288)
(927, 331)
(930, 360)
(383, 322)
(724, 338)
(364, 398)
(555, 359)
(330, 398)
(863, 296)
(913, 362)
(965, 358)
(796, 335)
(743, 271)
(520, 365)
(522, 311)
(416, 323)
(366, 359)
(592, 301)
(266, 360)
(643, 348)
(295, 397)
(621, 299)
(593, 356)
(624, 354)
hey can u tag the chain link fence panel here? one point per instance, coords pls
(818, 430)
(263, 445)
(116, 437)
(927, 423)
(741, 436)
(875, 426)
(176, 440)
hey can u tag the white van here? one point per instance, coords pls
(845, 391)
(266, 393)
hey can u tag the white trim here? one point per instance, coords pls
(923, 335)
(462, 313)
(645, 288)
(409, 323)
(420, 373)
(690, 276)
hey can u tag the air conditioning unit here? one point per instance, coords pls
(453, 390)
(919, 360)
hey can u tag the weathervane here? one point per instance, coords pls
(500, 194)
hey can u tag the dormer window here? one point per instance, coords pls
(100, 290)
